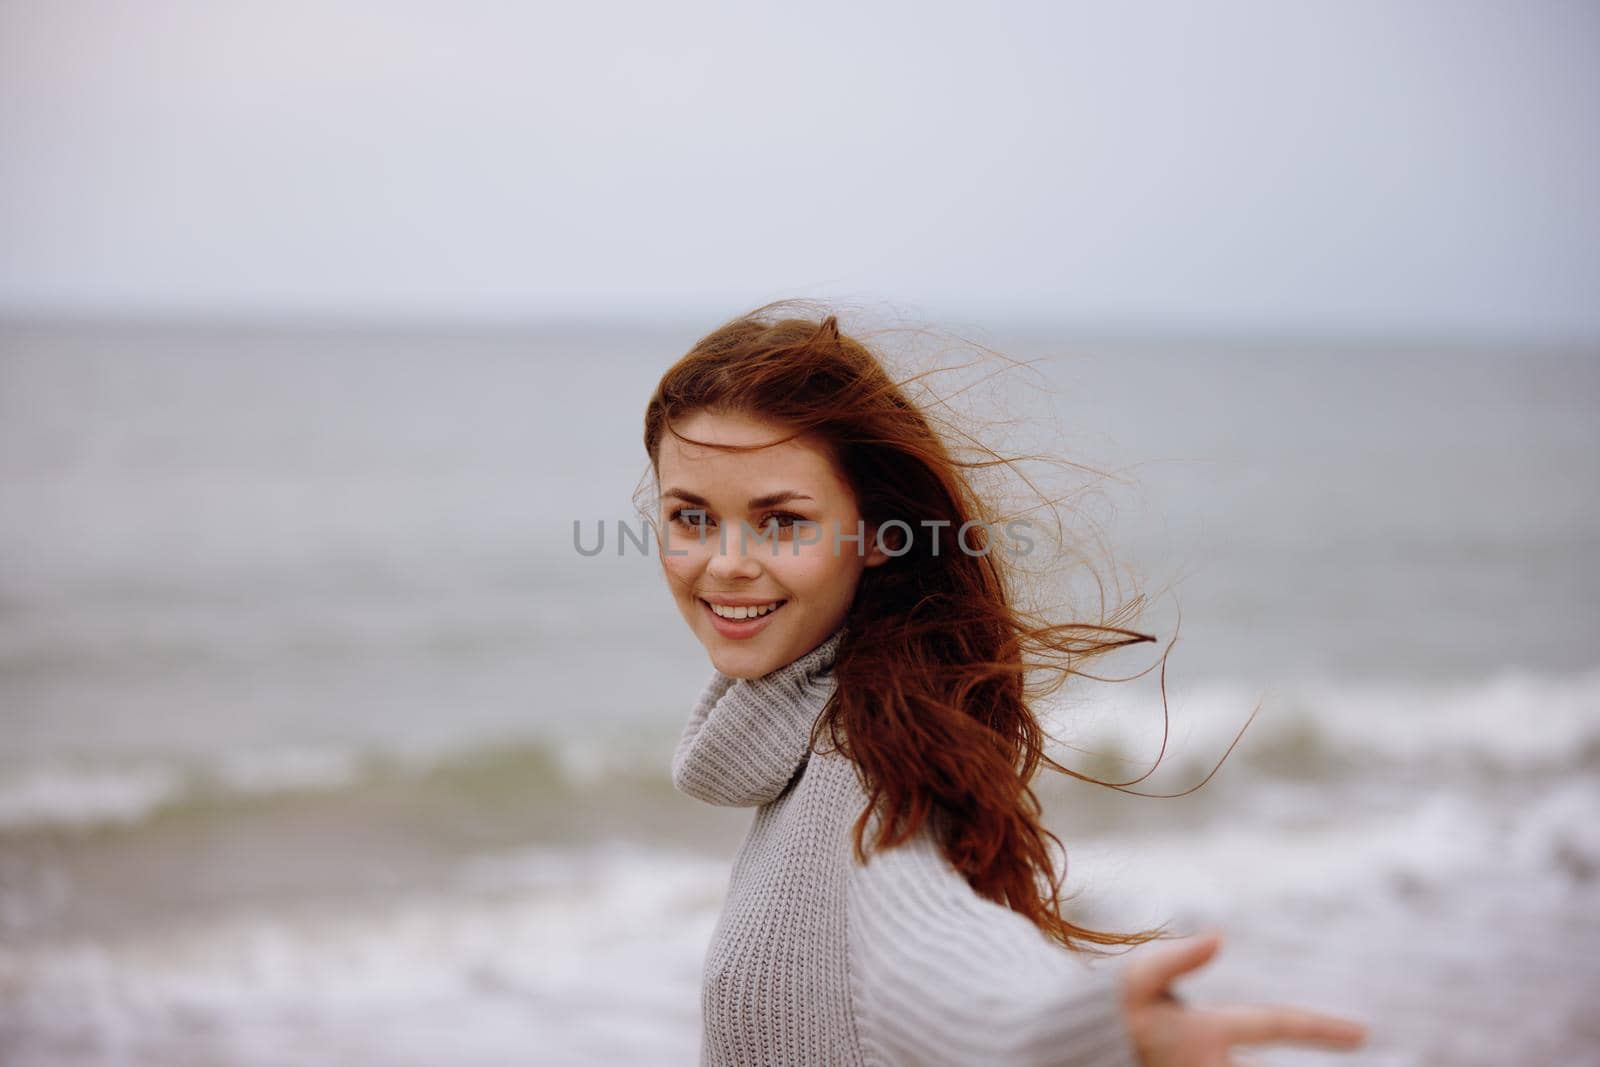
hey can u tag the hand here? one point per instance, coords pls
(1167, 1032)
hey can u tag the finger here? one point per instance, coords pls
(1148, 975)
(1255, 1024)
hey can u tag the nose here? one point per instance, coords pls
(733, 562)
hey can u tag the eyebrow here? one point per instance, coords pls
(756, 503)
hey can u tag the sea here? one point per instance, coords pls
(321, 741)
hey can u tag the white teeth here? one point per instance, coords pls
(744, 613)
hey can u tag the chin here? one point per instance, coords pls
(738, 662)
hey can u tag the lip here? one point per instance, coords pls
(741, 629)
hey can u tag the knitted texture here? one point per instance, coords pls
(817, 959)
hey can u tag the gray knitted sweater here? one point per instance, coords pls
(817, 959)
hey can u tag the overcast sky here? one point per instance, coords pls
(1314, 166)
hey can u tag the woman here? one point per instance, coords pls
(895, 900)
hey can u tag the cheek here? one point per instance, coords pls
(816, 572)
(681, 570)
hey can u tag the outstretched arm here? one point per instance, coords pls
(1168, 1032)
(943, 976)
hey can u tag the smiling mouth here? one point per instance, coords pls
(743, 613)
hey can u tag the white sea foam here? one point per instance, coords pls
(592, 954)
(75, 795)
(83, 793)
(276, 770)
(573, 957)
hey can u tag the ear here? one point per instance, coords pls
(875, 556)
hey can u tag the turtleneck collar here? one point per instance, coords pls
(747, 737)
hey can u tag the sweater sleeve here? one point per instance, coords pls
(944, 976)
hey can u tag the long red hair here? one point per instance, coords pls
(941, 667)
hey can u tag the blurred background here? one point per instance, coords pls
(321, 325)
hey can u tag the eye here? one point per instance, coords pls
(691, 518)
(784, 520)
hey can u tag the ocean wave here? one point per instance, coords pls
(85, 793)
(84, 796)
(1514, 723)
(1511, 726)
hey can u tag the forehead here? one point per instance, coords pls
(799, 460)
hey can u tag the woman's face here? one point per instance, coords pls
(803, 590)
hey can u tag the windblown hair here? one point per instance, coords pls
(940, 668)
